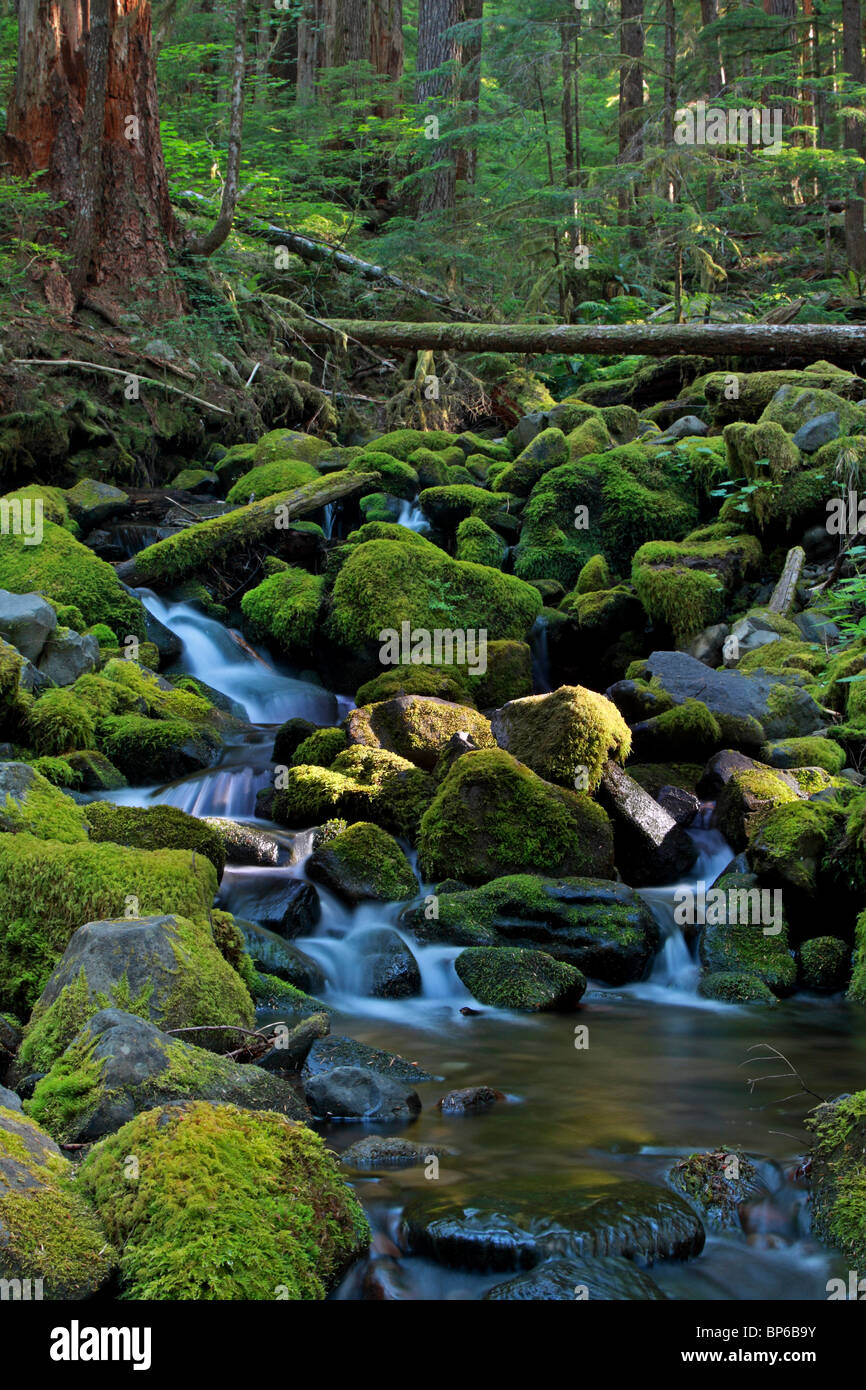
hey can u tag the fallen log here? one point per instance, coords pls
(205, 542)
(322, 253)
(776, 342)
(786, 590)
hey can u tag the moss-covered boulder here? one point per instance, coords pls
(284, 609)
(734, 987)
(154, 827)
(825, 964)
(838, 1175)
(48, 889)
(268, 478)
(547, 450)
(493, 816)
(363, 862)
(566, 736)
(63, 569)
(479, 544)
(505, 977)
(603, 928)
(273, 1217)
(683, 585)
(790, 843)
(416, 727)
(857, 988)
(120, 1064)
(717, 1183)
(320, 748)
(746, 934)
(744, 795)
(367, 784)
(49, 1236)
(168, 969)
(29, 803)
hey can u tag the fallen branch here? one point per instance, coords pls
(786, 590)
(777, 342)
(114, 371)
(321, 253)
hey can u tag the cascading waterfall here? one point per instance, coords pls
(412, 517)
(540, 655)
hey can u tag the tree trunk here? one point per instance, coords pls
(212, 240)
(435, 90)
(309, 42)
(630, 95)
(855, 139)
(470, 88)
(806, 342)
(110, 173)
(386, 38)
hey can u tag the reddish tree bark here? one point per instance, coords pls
(109, 172)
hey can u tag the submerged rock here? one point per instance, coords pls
(610, 1278)
(352, 1093)
(516, 1226)
(470, 1100)
(388, 968)
(717, 1183)
(376, 1152)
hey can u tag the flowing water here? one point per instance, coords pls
(664, 1074)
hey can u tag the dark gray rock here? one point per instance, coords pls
(353, 1093)
(338, 1051)
(794, 711)
(376, 1152)
(247, 844)
(9, 1100)
(288, 906)
(683, 806)
(821, 429)
(292, 1045)
(719, 771)
(388, 969)
(27, 621)
(91, 502)
(687, 426)
(469, 1101)
(610, 1278)
(274, 955)
(649, 844)
(68, 655)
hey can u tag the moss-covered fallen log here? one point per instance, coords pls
(774, 342)
(207, 542)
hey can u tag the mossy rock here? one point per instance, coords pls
(29, 803)
(167, 969)
(747, 947)
(493, 816)
(734, 987)
(594, 575)
(155, 827)
(363, 862)
(48, 1233)
(319, 749)
(793, 406)
(367, 784)
(444, 683)
(825, 964)
(505, 977)
(478, 544)
(121, 1064)
(755, 390)
(547, 450)
(63, 569)
(689, 731)
(838, 1175)
(790, 843)
(857, 989)
(744, 795)
(151, 750)
(284, 609)
(401, 443)
(274, 1218)
(416, 727)
(48, 889)
(94, 771)
(684, 585)
(508, 675)
(716, 1184)
(268, 478)
(567, 735)
(291, 444)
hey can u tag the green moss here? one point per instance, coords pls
(838, 1176)
(508, 675)
(228, 1204)
(684, 585)
(547, 450)
(824, 963)
(147, 749)
(784, 655)
(59, 721)
(689, 730)
(62, 568)
(58, 771)
(320, 749)
(492, 816)
(103, 634)
(746, 793)
(653, 776)
(742, 947)
(361, 784)
(285, 608)
(398, 479)
(444, 682)
(478, 544)
(365, 858)
(154, 827)
(48, 890)
(44, 812)
(49, 1232)
(384, 584)
(401, 443)
(506, 977)
(268, 478)
(593, 576)
(418, 728)
(560, 734)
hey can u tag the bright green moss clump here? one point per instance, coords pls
(594, 575)
(62, 568)
(444, 682)
(505, 977)
(568, 734)
(268, 478)
(363, 861)
(805, 752)
(361, 784)
(478, 544)
(684, 584)
(60, 721)
(320, 749)
(838, 1177)
(228, 1204)
(284, 608)
(154, 827)
(47, 1230)
(34, 806)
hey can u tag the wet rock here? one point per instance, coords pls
(91, 502)
(388, 969)
(96, 773)
(837, 1174)
(120, 1064)
(246, 844)
(602, 927)
(274, 955)
(647, 839)
(734, 987)
(470, 1100)
(507, 978)
(27, 621)
(679, 804)
(611, 1278)
(785, 709)
(332, 1052)
(288, 906)
(513, 1226)
(376, 1152)
(200, 482)
(167, 643)
(744, 795)
(416, 727)
(353, 1093)
(68, 655)
(746, 934)
(636, 701)
(292, 1049)
(717, 1184)
(361, 863)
